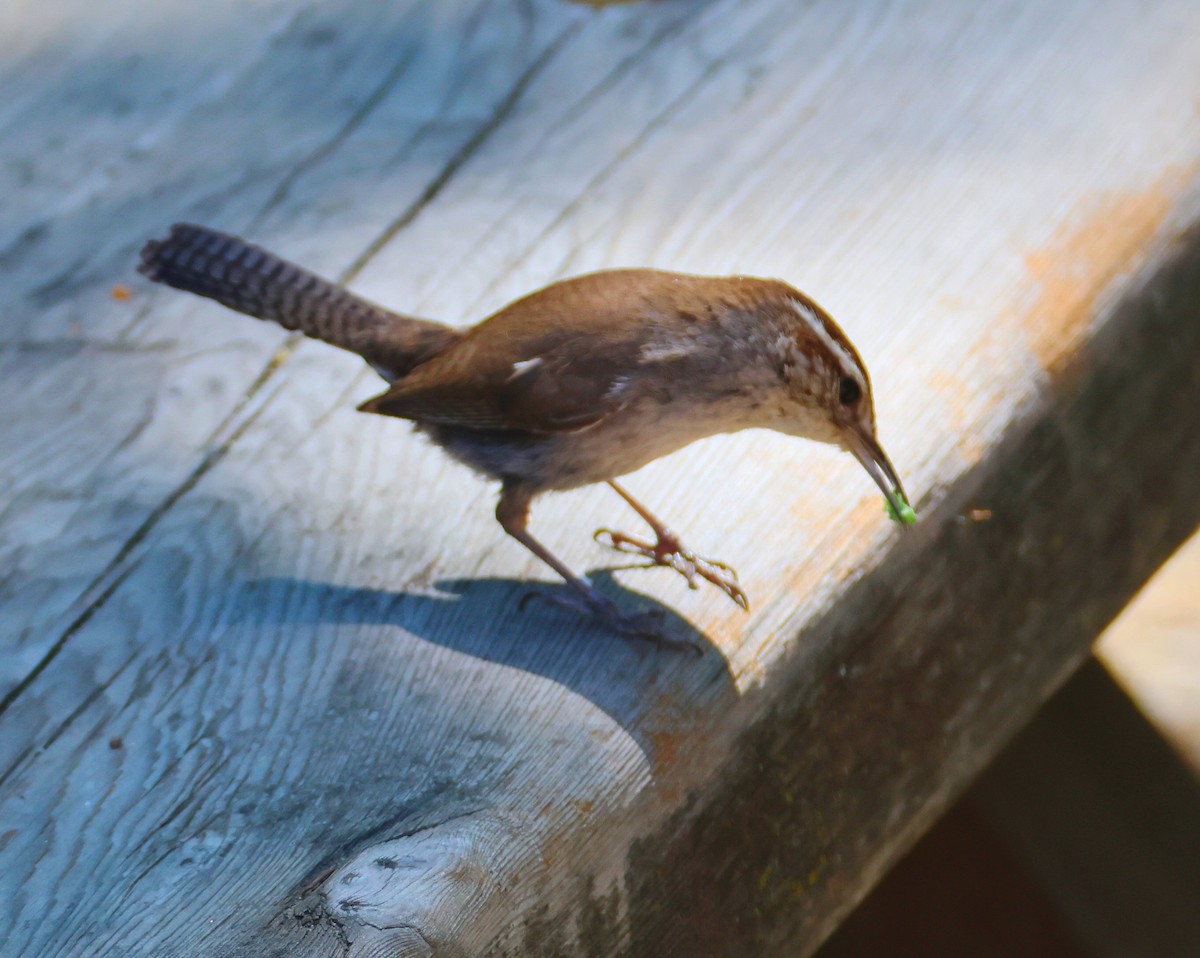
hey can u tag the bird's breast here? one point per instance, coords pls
(652, 425)
(638, 435)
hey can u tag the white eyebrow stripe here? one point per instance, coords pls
(813, 321)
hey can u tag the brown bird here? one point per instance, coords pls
(581, 382)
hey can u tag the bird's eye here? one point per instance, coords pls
(849, 392)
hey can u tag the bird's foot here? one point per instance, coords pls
(645, 625)
(670, 552)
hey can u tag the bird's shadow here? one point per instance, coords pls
(500, 620)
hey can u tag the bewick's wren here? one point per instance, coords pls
(581, 382)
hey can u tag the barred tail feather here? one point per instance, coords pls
(251, 280)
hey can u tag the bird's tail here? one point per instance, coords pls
(251, 280)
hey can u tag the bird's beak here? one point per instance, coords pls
(866, 449)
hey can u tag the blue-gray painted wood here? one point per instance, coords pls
(266, 688)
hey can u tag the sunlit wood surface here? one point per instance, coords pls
(266, 688)
(1154, 650)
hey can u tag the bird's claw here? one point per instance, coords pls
(668, 551)
(644, 625)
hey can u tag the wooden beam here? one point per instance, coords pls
(266, 688)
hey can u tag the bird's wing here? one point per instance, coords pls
(542, 383)
(561, 359)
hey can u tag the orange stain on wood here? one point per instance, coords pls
(667, 730)
(1081, 262)
(673, 737)
(664, 746)
(956, 397)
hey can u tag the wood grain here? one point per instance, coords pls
(266, 686)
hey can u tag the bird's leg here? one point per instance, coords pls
(513, 515)
(669, 551)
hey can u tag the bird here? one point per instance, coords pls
(583, 381)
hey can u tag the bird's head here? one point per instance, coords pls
(828, 390)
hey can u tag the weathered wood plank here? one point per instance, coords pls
(257, 637)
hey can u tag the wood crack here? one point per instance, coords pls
(78, 623)
(606, 84)
(502, 112)
(656, 122)
(343, 133)
(119, 568)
